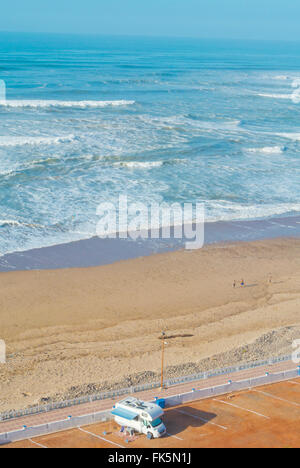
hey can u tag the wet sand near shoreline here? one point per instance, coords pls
(96, 251)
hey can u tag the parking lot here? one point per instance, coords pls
(262, 417)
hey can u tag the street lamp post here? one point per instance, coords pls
(162, 360)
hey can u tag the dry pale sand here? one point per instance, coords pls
(77, 330)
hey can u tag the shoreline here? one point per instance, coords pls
(97, 252)
(71, 330)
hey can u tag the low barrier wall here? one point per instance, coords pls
(56, 426)
(175, 400)
(230, 387)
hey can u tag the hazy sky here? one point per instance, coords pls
(249, 19)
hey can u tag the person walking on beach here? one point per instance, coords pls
(242, 283)
(270, 278)
(234, 284)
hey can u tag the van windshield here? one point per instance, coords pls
(156, 422)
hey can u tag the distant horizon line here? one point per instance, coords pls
(149, 36)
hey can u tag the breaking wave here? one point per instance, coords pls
(290, 136)
(140, 165)
(63, 104)
(276, 96)
(267, 150)
(31, 140)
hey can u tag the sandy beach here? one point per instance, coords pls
(80, 330)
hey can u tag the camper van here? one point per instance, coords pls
(140, 416)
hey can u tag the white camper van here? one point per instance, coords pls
(140, 416)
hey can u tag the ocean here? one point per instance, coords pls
(168, 120)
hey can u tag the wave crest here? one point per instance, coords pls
(267, 150)
(290, 136)
(140, 164)
(24, 140)
(63, 104)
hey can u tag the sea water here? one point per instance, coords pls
(177, 120)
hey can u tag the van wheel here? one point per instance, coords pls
(149, 435)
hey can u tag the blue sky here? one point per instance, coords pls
(249, 19)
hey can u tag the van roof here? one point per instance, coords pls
(124, 413)
(136, 406)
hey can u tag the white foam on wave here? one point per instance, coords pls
(139, 164)
(149, 164)
(267, 150)
(290, 136)
(62, 104)
(9, 222)
(14, 223)
(31, 140)
(224, 210)
(276, 96)
(281, 77)
(186, 123)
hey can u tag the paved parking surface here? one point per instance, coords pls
(262, 417)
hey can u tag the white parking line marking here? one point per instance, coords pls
(202, 419)
(99, 437)
(293, 382)
(277, 398)
(36, 443)
(174, 436)
(241, 408)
